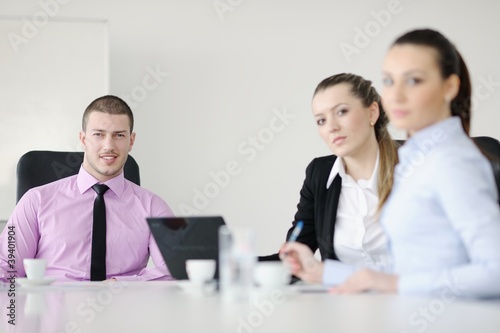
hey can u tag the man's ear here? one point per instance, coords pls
(82, 138)
(132, 141)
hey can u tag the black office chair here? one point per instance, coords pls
(39, 167)
(491, 148)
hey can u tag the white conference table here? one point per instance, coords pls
(149, 307)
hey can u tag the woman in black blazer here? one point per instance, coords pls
(351, 121)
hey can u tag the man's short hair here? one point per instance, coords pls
(111, 105)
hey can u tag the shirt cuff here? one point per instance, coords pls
(145, 275)
(127, 278)
(336, 272)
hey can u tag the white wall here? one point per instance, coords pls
(220, 81)
(47, 77)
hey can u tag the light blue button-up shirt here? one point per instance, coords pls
(442, 217)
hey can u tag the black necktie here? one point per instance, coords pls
(98, 258)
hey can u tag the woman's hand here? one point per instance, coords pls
(366, 280)
(302, 263)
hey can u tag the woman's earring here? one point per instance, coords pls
(372, 123)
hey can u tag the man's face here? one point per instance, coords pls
(107, 141)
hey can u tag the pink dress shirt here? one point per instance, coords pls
(54, 222)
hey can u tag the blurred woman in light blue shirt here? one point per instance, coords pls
(442, 217)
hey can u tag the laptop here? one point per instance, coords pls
(183, 238)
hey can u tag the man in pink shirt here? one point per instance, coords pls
(55, 221)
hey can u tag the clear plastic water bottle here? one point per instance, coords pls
(237, 259)
(225, 249)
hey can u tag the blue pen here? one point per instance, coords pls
(296, 231)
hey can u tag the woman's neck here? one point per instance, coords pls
(361, 164)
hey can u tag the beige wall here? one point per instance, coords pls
(204, 84)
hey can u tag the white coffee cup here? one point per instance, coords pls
(272, 274)
(200, 271)
(35, 268)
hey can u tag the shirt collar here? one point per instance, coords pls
(338, 168)
(85, 181)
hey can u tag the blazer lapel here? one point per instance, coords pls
(332, 202)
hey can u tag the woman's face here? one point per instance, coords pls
(343, 121)
(415, 95)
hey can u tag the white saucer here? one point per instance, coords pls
(24, 282)
(187, 285)
(190, 287)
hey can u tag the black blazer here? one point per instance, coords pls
(317, 208)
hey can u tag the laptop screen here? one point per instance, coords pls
(183, 238)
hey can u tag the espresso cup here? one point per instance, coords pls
(35, 268)
(272, 274)
(200, 271)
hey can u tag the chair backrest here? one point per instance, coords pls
(40, 167)
(491, 147)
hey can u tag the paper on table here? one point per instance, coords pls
(311, 288)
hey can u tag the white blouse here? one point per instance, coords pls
(359, 239)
